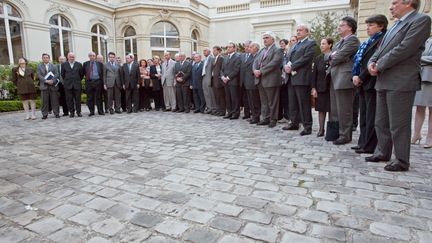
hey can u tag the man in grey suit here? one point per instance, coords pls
(168, 79)
(72, 74)
(48, 87)
(217, 84)
(243, 70)
(230, 73)
(341, 86)
(252, 92)
(299, 69)
(396, 64)
(112, 83)
(207, 76)
(267, 70)
(183, 71)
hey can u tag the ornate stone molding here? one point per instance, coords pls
(66, 11)
(22, 7)
(105, 22)
(164, 15)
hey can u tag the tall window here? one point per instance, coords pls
(99, 40)
(11, 46)
(194, 37)
(130, 42)
(164, 37)
(61, 36)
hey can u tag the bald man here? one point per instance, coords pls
(93, 71)
(72, 73)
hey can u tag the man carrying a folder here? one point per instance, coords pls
(48, 83)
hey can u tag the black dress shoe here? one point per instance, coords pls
(174, 110)
(71, 115)
(101, 113)
(196, 111)
(263, 123)
(44, 117)
(245, 117)
(234, 117)
(187, 111)
(221, 114)
(179, 111)
(395, 167)
(272, 123)
(57, 116)
(65, 114)
(341, 141)
(227, 117)
(363, 151)
(253, 121)
(375, 159)
(118, 112)
(305, 132)
(91, 114)
(355, 147)
(291, 127)
(79, 114)
(111, 112)
(320, 134)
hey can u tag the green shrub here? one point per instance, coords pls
(14, 105)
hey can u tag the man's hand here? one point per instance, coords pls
(357, 81)
(50, 82)
(257, 73)
(105, 87)
(314, 93)
(373, 69)
(124, 87)
(287, 68)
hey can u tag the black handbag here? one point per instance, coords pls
(332, 131)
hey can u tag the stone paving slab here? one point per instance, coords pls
(165, 177)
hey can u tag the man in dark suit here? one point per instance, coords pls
(197, 84)
(253, 97)
(342, 87)
(216, 82)
(182, 72)
(299, 69)
(112, 83)
(230, 73)
(62, 94)
(267, 73)
(48, 87)
(93, 71)
(130, 75)
(396, 64)
(72, 74)
(243, 69)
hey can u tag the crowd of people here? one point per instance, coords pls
(270, 83)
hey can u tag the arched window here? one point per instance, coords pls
(11, 46)
(61, 36)
(194, 37)
(99, 40)
(130, 43)
(164, 36)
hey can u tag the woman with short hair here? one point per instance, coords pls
(23, 78)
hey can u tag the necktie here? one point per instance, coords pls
(386, 36)
(247, 57)
(89, 72)
(166, 65)
(46, 67)
(129, 66)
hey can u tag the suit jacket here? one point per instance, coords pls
(130, 79)
(186, 68)
(301, 57)
(244, 66)
(231, 69)
(72, 76)
(342, 62)
(426, 62)
(42, 72)
(368, 80)
(86, 68)
(197, 78)
(216, 74)
(208, 67)
(398, 57)
(168, 76)
(111, 75)
(319, 74)
(24, 84)
(247, 73)
(270, 66)
(156, 81)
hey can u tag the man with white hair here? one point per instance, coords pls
(93, 71)
(168, 82)
(298, 70)
(245, 67)
(253, 97)
(267, 76)
(183, 70)
(230, 75)
(130, 75)
(207, 79)
(72, 74)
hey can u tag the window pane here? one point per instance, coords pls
(130, 31)
(157, 42)
(12, 11)
(66, 41)
(15, 31)
(1, 8)
(171, 30)
(4, 55)
(65, 23)
(157, 29)
(134, 45)
(94, 44)
(173, 43)
(102, 30)
(103, 48)
(194, 35)
(54, 20)
(158, 53)
(94, 29)
(55, 43)
(127, 46)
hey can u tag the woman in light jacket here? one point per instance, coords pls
(423, 97)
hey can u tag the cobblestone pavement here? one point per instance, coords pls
(164, 177)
